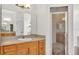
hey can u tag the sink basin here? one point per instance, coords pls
(25, 39)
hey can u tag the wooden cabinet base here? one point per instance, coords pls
(26, 48)
(41, 47)
(22, 52)
(33, 48)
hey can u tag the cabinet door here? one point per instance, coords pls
(22, 49)
(41, 47)
(0, 50)
(33, 48)
(9, 50)
(22, 52)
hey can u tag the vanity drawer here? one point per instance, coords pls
(33, 44)
(9, 48)
(41, 42)
(22, 45)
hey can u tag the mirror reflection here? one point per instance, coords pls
(16, 19)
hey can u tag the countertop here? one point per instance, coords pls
(31, 36)
(10, 42)
(20, 39)
(26, 36)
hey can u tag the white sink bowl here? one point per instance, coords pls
(25, 39)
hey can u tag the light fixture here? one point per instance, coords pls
(27, 6)
(7, 19)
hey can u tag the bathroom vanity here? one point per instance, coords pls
(23, 45)
(36, 47)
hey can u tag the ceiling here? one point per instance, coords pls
(13, 7)
(57, 5)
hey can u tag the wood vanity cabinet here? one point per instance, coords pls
(26, 48)
(22, 49)
(0, 50)
(9, 50)
(41, 47)
(33, 48)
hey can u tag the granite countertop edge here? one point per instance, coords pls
(22, 41)
(18, 41)
(26, 36)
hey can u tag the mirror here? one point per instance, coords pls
(8, 21)
(16, 19)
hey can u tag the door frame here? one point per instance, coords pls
(66, 29)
